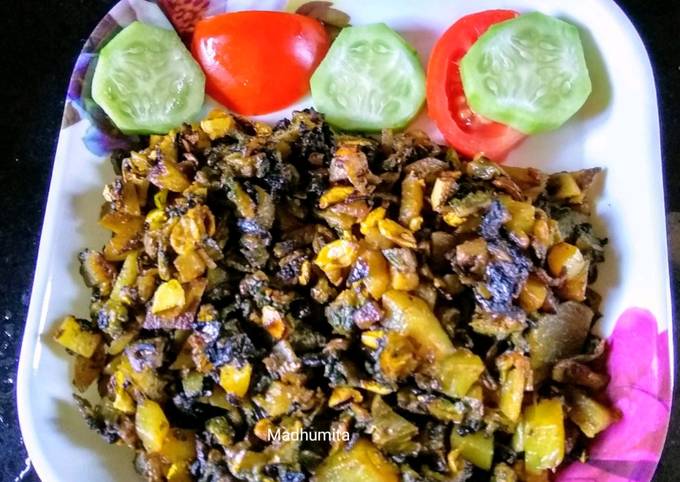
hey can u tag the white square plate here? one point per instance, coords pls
(618, 129)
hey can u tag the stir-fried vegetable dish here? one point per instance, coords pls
(266, 287)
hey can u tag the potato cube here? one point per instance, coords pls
(74, 336)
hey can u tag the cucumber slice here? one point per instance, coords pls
(146, 80)
(370, 79)
(529, 73)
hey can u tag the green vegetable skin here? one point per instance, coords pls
(370, 79)
(476, 448)
(146, 80)
(529, 73)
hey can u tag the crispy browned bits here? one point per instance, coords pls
(288, 303)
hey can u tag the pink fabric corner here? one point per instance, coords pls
(640, 389)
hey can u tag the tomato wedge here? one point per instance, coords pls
(466, 131)
(258, 62)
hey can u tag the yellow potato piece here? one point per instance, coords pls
(151, 424)
(544, 438)
(168, 295)
(377, 281)
(217, 124)
(565, 259)
(179, 446)
(371, 221)
(533, 295)
(396, 233)
(235, 379)
(76, 338)
(335, 195)
(362, 463)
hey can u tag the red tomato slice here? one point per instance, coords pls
(466, 131)
(258, 62)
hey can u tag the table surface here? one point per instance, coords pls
(40, 40)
